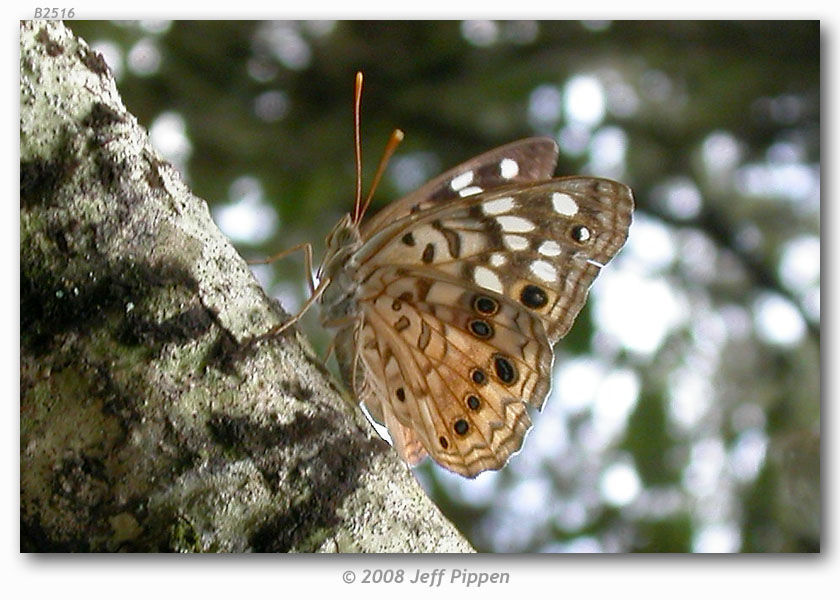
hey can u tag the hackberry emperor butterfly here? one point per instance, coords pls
(447, 303)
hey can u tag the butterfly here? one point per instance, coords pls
(447, 303)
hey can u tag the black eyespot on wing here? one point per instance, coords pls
(408, 239)
(461, 427)
(505, 370)
(533, 296)
(396, 305)
(444, 442)
(485, 305)
(473, 402)
(400, 394)
(580, 233)
(478, 376)
(481, 329)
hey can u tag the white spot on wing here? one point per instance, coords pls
(512, 224)
(564, 204)
(498, 259)
(498, 206)
(550, 248)
(461, 181)
(544, 270)
(508, 168)
(488, 279)
(515, 242)
(469, 191)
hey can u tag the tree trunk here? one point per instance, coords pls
(150, 418)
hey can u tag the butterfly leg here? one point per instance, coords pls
(316, 293)
(307, 260)
(335, 323)
(329, 351)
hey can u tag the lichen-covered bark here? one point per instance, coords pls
(151, 419)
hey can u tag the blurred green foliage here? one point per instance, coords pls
(274, 102)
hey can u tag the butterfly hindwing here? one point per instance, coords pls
(459, 363)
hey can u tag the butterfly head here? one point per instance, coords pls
(342, 242)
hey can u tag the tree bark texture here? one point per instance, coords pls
(150, 419)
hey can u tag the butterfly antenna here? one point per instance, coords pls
(394, 141)
(357, 97)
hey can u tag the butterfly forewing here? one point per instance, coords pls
(539, 244)
(528, 160)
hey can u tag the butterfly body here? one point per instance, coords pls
(448, 301)
(339, 298)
